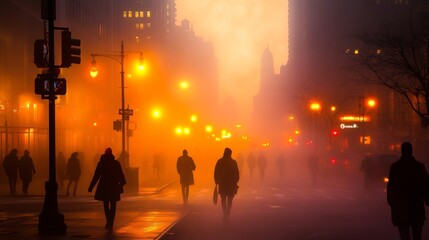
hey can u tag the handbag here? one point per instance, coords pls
(215, 195)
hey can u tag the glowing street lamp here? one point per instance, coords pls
(184, 84)
(209, 128)
(194, 118)
(156, 113)
(94, 71)
(141, 66)
(124, 114)
(315, 106)
(371, 103)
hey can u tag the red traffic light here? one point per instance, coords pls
(334, 132)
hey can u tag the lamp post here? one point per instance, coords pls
(125, 113)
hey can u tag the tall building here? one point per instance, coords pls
(84, 116)
(320, 35)
(150, 19)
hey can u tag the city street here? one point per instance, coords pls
(334, 209)
(322, 213)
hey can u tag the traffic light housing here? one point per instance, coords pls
(70, 49)
(41, 85)
(117, 125)
(41, 53)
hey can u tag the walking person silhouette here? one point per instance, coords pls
(185, 165)
(406, 192)
(111, 180)
(26, 171)
(226, 176)
(73, 172)
(10, 165)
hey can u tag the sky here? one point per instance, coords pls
(240, 31)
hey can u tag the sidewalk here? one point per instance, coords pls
(138, 217)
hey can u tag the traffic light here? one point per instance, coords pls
(41, 85)
(70, 49)
(41, 53)
(334, 132)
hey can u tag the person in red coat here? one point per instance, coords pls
(406, 191)
(111, 180)
(185, 165)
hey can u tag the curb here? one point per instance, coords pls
(163, 233)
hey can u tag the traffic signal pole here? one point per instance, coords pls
(51, 222)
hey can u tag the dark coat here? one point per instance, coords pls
(11, 164)
(111, 179)
(406, 190)
(226, 174)
(26, 168)
(73, 168)
(185, 165)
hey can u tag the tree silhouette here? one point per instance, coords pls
(396, 55)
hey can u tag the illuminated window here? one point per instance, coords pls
(141, 14)
(148, 14)
(378, 51)
(136, 14)
(148, 25)
(130, 14)
(139, 25)
(125, 14)
(356, 52)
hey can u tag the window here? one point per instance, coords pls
(136, 14)
(125, 14)
(141, 14)
(148, 25)
(139, 25)
(148, 14)
(130, 14)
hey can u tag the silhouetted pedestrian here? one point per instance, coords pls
(61, 170)
(73, 172)
(26, 171)
(367, 167)
(251, 163)
(185, 165)
(158, 162)
(10, 165)
(111, 181)
(262, 165)
(406, 191)
(226, 176)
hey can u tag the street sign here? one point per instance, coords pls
(127, 112)
(126, 117)
(41, 84)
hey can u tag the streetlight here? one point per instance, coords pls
(125, 113)
(370, 103)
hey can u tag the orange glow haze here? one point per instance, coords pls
(240, 31)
